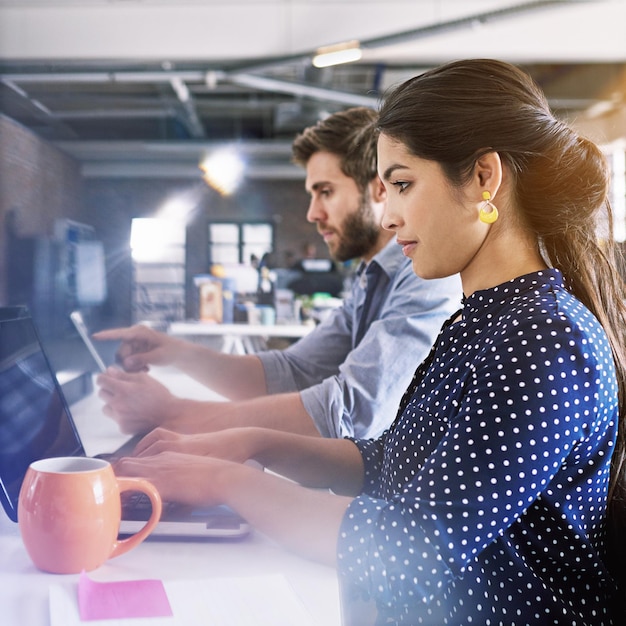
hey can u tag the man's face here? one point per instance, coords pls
(344, 216)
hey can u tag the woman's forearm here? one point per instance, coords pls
(311, 461)
(305, 521)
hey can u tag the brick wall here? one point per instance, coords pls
(38, 184)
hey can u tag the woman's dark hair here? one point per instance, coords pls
(464, 109)
(351, 135)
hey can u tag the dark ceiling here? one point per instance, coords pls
(140, 102)
(158, 117)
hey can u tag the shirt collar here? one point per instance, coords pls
(389, 259)
(484, 300)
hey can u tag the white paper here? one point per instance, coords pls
(258, 600)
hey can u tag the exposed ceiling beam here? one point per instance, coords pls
(248, 75)
(131, 159)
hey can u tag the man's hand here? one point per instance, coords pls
(141, 346)
(139, 403)
(136, 401)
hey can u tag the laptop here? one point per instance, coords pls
(36, 423)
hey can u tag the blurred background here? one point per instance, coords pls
(143, 143)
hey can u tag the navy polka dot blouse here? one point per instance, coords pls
(484, 501)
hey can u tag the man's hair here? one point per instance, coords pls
(351, 135)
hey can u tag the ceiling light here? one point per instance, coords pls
(223, 170)
(346, 52)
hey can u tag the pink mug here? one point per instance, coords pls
(69, 513)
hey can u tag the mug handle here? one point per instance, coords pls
(122, 546)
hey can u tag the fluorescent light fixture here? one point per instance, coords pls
(223, 170)
(346, 52)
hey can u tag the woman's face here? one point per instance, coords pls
(436, 225)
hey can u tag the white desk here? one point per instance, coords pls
(24, 589)
(239, 338)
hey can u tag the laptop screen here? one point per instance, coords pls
(35, 422)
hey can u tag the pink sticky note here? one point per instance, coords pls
(118, 600)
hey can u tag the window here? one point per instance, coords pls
(224, 246)
(231, 242)
(158, 252)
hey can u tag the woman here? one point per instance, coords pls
(486, 500)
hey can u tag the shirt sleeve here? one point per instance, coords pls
(361, 396)
(312, 358)
(516, 427)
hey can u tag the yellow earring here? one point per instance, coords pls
(488, 212)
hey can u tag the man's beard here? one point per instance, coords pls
(359, 233)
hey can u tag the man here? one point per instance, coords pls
(348, 375)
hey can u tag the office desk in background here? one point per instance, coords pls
(24, 590)
(238, 338)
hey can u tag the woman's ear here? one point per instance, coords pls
(377, 190)
(488, 174)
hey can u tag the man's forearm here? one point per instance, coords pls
(237, 377)
(283, 412)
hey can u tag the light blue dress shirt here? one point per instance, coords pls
(351, 387)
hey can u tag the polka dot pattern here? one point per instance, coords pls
(484, 501)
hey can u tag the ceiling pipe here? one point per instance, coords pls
(193, 123)
(486, 17)
(264, 83)
(166, 76)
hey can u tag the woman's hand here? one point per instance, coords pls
(305, 521)
(178, 477)
(237, 444)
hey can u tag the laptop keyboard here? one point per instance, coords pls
(136, 505)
